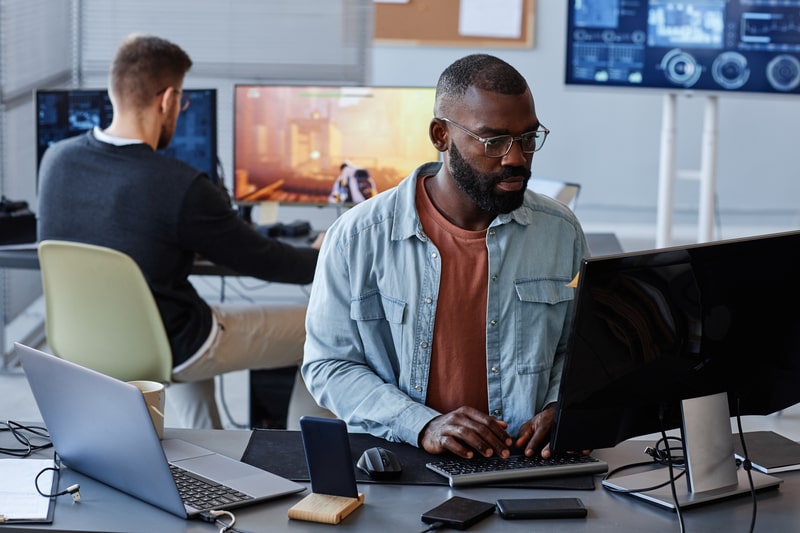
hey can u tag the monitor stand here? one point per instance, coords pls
(711, 471)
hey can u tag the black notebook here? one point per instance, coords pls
(769, 452)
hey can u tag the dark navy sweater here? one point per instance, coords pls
(161, 212)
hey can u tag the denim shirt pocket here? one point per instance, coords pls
(540, 315)
(380, 321)
(375, 306)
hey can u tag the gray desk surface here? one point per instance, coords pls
(391, 508)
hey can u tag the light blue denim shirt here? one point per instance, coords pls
(370, 316)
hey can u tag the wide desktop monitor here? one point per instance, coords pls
(290, 142)
(68, 112)
(683, 337)
(709, 45)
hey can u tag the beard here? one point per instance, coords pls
(481, 188)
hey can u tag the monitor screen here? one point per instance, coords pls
(66, 113)
(684, 337)
(302, 144)
(709, 45)
(653, 328)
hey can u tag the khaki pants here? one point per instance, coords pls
(249, 337)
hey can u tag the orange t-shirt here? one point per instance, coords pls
(458, 355)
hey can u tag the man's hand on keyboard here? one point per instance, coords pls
(534, 435)
(465, 431)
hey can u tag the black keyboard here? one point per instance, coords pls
(478, 470)
(203, 494)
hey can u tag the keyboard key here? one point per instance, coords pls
(203, 494)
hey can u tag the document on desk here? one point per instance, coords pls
(19, 499)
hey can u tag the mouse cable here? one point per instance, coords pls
(434, 526)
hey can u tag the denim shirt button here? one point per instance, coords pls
(494, 277)
(418, 388)
(429, 300)
(495, 370)
(434, 255)
(491, 233)
(423, 344)
(493, 322)
(497, 413)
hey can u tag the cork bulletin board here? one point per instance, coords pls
(442, 23)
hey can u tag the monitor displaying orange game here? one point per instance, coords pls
(320, 145)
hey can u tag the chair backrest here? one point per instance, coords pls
(100, 312)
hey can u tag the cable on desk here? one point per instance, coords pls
(213, 517)
(73, 490)
(26, 436)
(748, 466)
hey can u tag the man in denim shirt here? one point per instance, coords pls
(440, 310)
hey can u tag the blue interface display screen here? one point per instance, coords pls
(707, 45)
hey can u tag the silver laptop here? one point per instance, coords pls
(564, 191)
(100, 427)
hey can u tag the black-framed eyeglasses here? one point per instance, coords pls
(499, 146)
(185, 100)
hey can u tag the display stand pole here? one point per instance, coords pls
(667, 173)
(708, 173)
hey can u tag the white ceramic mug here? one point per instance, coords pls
(155, 397)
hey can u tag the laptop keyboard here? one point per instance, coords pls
(478, 470)
(203, 494)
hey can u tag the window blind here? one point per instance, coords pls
(319, 40)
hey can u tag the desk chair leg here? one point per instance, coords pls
(194, 404)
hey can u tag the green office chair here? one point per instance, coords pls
(100, 312)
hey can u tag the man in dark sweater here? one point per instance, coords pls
(112, 188)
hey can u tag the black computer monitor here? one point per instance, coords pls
(290, 141)
(660, 334)
(63, 113)
(748, 46)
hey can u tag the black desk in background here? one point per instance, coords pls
(25, 257)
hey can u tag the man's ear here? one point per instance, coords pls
(166, 100)
(439, 135)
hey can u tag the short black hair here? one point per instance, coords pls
(483, 71)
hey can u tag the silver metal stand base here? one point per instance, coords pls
(663, 495)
